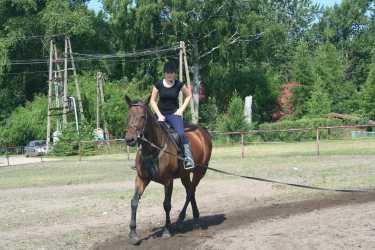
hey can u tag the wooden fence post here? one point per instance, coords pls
(80, 150)
(317, 142)
(242, 146)
(7, 156)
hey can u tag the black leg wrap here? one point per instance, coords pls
(134, 206)
(167, 206)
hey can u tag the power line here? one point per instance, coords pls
(37, 36)
(85, 68)
(98, 57)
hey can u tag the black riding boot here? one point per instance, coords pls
(189, 161)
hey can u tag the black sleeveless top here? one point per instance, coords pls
(168, 97)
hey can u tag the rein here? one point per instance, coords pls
(141, 137)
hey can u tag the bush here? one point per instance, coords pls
(299, 135)
(234, 119)
(70, 142)
(26, 123)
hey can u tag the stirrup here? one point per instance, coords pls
(188, 168)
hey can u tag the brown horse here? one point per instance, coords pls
(157, 160)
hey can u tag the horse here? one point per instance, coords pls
(157, 160)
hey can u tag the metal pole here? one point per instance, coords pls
(75, 112)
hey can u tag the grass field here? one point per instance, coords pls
(71, 204)
(341, 159)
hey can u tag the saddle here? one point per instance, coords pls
(175, 138)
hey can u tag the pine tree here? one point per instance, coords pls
(319, 102)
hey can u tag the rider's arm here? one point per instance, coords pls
(186, 90)
(154, 105)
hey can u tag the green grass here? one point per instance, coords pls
(340, 164)
(66, 172)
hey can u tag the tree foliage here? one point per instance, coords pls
(250, 46)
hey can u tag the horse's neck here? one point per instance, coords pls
(153, 133)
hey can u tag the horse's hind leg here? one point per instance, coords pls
(140, 186)
(168, 188)
(196, 179)
(187, 184)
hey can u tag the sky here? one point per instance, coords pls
(96, 4)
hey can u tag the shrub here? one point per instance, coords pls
(298, 135)
(70, 142)
(234, 118)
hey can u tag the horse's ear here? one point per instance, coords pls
(127, 99)
(148, 100)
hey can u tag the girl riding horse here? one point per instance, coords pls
(167, 109)
(157, 156)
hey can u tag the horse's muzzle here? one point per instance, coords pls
(130, 142)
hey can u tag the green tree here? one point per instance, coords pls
(368, 94)
(234, 119)
(319, 103)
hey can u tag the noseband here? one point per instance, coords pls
(140, 135)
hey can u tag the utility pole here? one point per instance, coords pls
(78, 92)
(100, 103)
(58, 83)
(101, 83)
(49, 93)
(194, 111)
(98, 75)
(181, 71)
(65, 95)
(196, 81)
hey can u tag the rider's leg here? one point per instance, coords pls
(177, 123)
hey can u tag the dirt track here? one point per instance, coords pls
(213, 231)
(85, 204)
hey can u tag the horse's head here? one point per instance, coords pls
(137, 117)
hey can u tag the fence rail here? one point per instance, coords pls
(118, 146)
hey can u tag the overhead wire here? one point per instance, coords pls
(94, 57)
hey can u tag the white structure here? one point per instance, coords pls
(248, 108)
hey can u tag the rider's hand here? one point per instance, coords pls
(161, 118)
(178, 112)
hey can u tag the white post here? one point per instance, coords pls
(248, 108)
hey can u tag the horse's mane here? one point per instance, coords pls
(151, 115)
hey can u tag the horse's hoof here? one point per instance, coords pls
(196, 215)
(181, 218)
(179, 225)
(196, 224)
(134, 239)
(166, 233)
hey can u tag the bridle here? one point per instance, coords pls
(141, 137)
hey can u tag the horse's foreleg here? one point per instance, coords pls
(140, 186)
(168, 188)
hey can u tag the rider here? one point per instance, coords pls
(167, 109)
